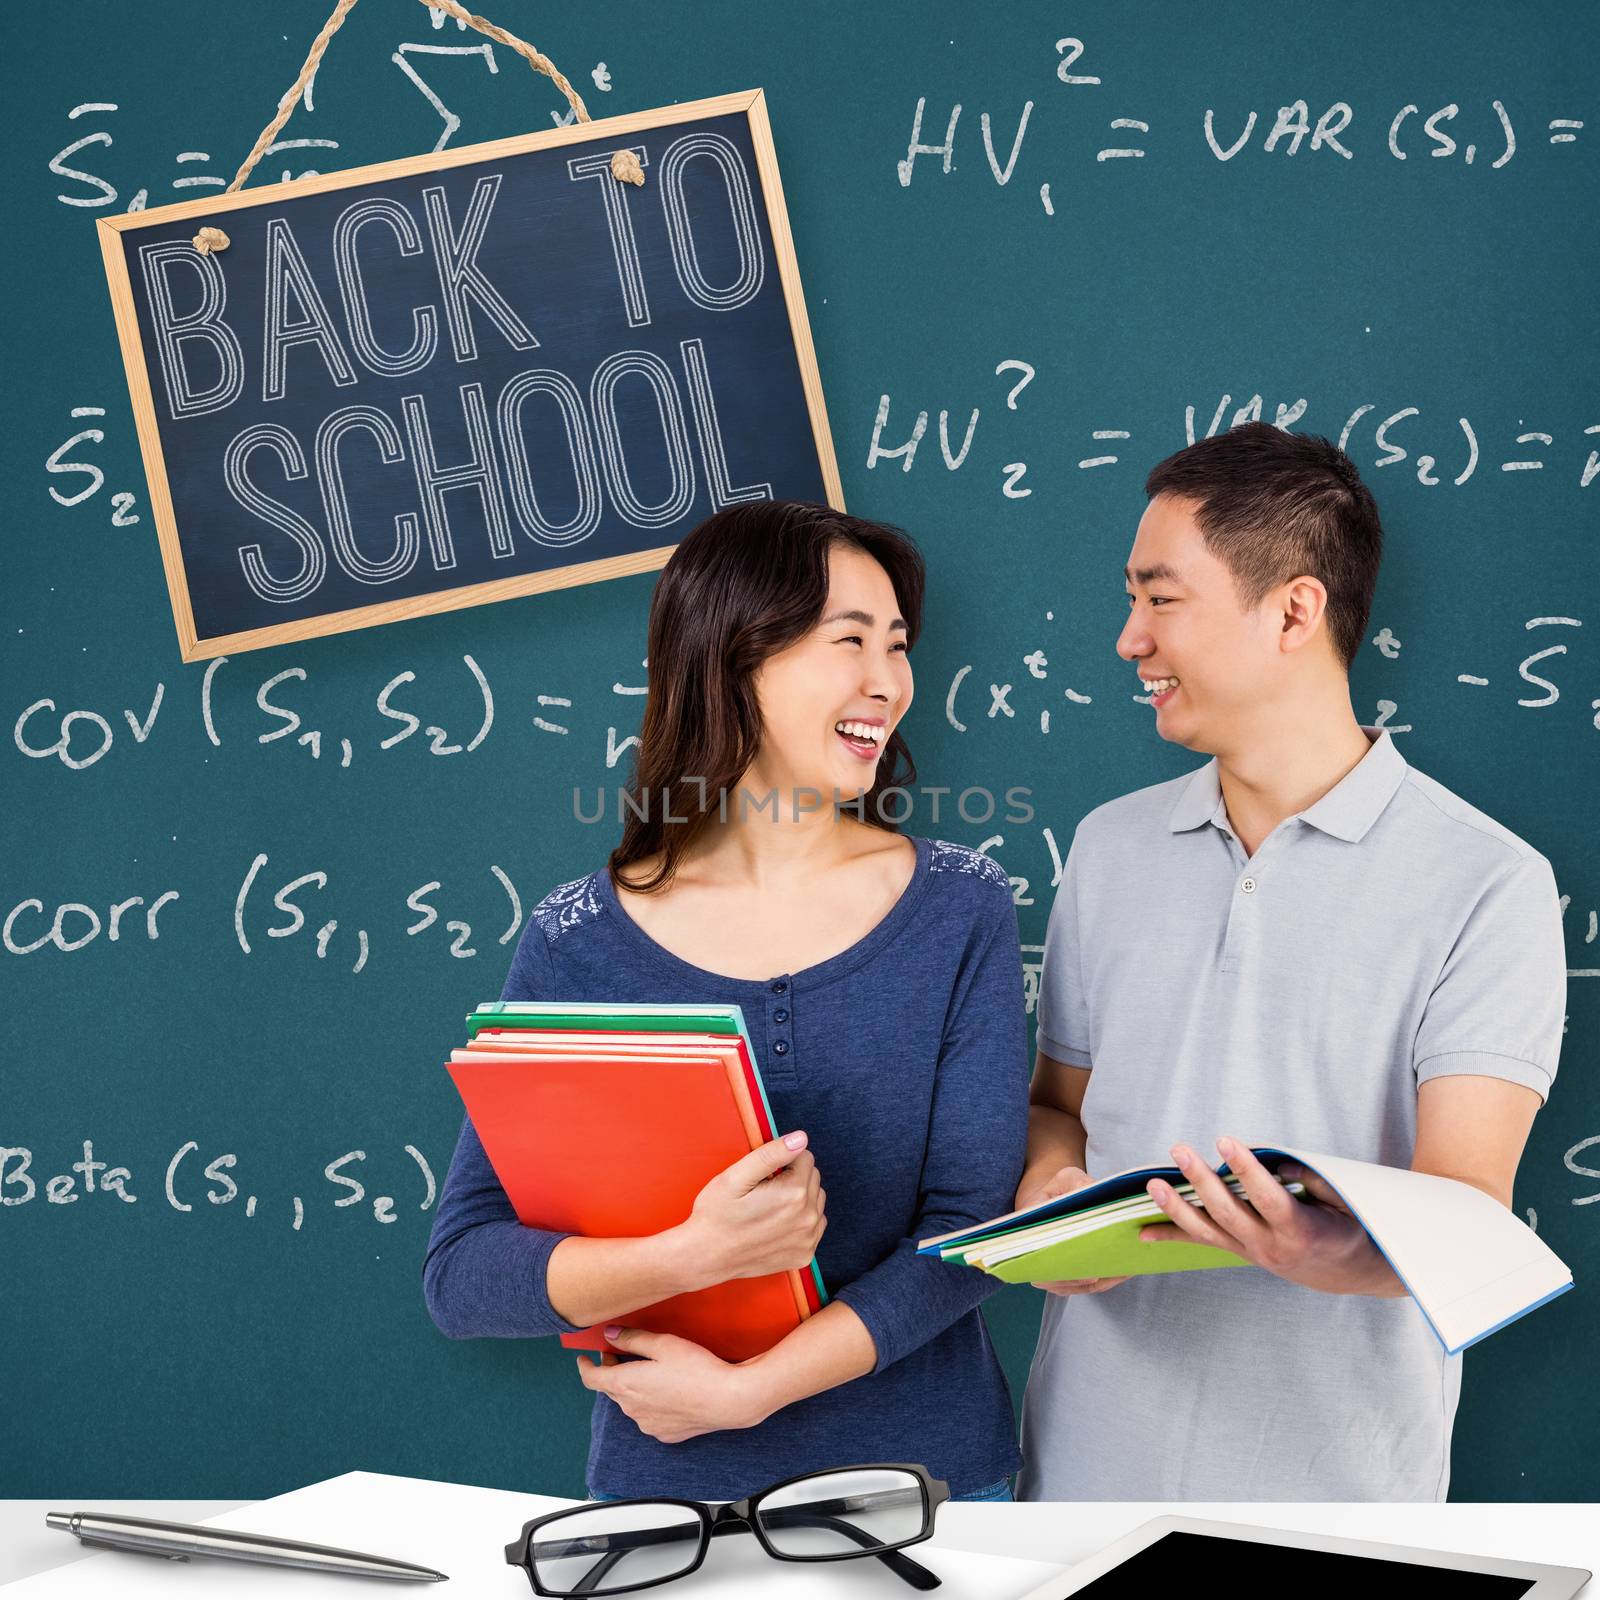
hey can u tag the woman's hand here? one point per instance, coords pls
(763, 1214)
(679, 1390)
(1063, 1181)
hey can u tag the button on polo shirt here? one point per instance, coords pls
(1388, 934)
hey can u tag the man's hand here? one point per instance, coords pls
(680, 1390)
(1063, 1181)
(1319, 1246)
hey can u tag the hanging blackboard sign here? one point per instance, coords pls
(460, 377)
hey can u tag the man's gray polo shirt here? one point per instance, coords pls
(1386, 935)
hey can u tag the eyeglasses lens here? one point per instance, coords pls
(843, 1513)
(603, 1548)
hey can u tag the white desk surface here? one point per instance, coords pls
(1056, 1532)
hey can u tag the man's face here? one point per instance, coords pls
(1185, 622)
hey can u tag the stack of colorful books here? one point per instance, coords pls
(608, 1120)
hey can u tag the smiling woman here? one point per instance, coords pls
(880, 981)
(774, 628)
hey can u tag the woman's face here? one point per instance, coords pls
(851, 672)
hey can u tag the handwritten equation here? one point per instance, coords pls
(81, 738)
(425, 65)
(1449, 453)
(294, 901)
(989, 698)
(195, 1183)
(190, 1177)
(1445, 132)
(305, 906)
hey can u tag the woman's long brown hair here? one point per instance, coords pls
(748, 582)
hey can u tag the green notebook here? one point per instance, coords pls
(1115, 1251)
(623, 1019)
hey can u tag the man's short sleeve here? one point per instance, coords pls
(1063, 1014)
(1500, 1001)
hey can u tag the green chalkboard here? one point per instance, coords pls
(277, 881)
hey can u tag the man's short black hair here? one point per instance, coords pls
(1275, 505)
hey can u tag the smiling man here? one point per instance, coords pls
(1304, 941)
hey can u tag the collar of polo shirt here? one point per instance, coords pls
(1346, 811)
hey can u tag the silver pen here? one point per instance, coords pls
(178, 1541)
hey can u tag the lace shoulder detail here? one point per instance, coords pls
(946, 857)
(566, 907)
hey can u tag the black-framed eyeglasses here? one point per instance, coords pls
(614, 1546)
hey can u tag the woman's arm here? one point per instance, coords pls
(484, 1275)
(489, 1275)
(1057, 1141)
(765, 1213)
(681, 1390)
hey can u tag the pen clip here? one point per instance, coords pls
(132, 1549)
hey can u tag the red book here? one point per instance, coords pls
(613, 1145)
(809, 1282)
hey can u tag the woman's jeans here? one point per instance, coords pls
(999, 1490)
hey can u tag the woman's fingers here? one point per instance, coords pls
(1062, 1182)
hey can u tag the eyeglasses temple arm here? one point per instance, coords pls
(914, 1573)
(592, 1579)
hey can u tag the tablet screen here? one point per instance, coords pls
(1179, 1559)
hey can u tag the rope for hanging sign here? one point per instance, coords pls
(625, 166)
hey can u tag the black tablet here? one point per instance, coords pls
(1166, 1554)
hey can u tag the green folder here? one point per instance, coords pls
(622, 1019)
(1115, 1251)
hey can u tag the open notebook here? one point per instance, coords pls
(1470, 1265)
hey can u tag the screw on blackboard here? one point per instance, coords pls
(625, 166)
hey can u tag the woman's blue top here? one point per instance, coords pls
(905, 1060)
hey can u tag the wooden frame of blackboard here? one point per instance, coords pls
(752, 103)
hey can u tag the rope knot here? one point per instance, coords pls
(625, 167)
(209, 239)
